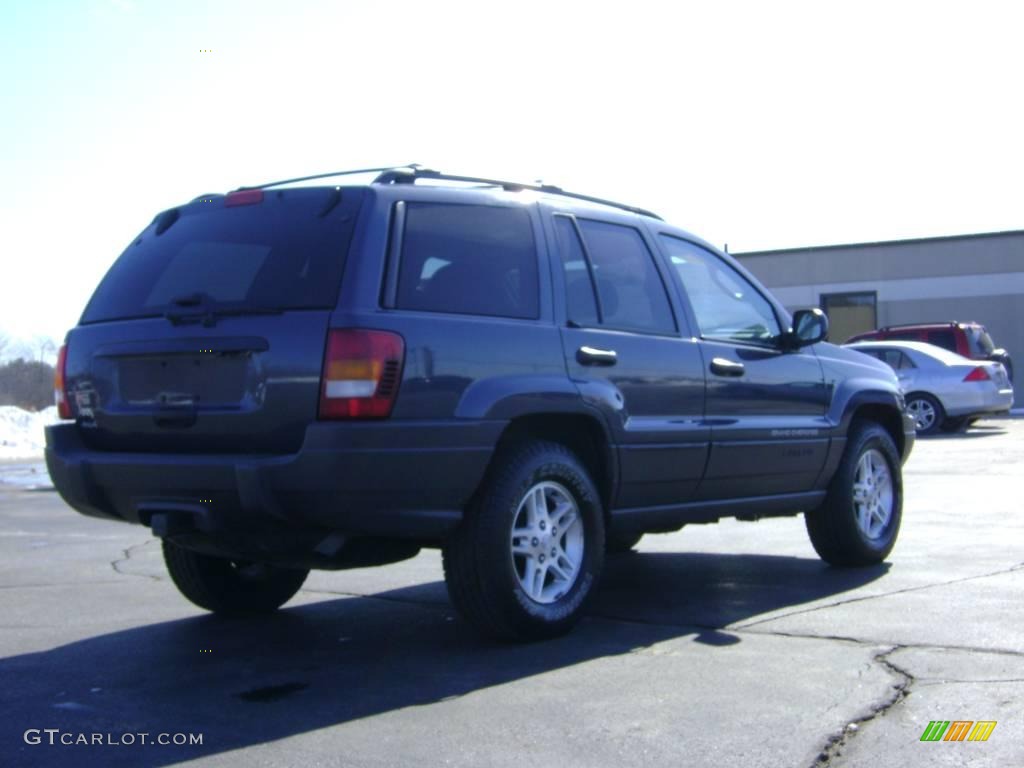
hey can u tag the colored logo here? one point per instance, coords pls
(958, 730)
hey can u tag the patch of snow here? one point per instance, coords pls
(21, 431)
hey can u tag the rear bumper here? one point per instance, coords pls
(978, 401)
(346, 477)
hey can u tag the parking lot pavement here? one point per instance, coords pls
(728, 644)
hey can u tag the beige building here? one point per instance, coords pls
(936, 279)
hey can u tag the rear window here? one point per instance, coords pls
(286, 252)
(979, 341)
(468, 259)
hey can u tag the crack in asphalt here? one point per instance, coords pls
(900, 690)
(835, 742)
(115, 564)
(862, 598)
(876, 642)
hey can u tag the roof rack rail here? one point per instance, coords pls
(915, 325)
(328, 175)
(409, 174)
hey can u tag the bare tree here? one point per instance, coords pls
(43, 348)
(4, 341)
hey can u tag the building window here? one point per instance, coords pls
(850, 314)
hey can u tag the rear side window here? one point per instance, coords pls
(631, 293)
(286, 252)
(944, 338)
(468, 259)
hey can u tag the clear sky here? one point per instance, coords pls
(760, 125)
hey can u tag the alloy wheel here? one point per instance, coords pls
(547, 542)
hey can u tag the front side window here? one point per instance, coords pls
(468, 259)
(630, 291)
(726, 305)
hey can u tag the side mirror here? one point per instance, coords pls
(809, 327)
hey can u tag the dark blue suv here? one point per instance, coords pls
(290, 377)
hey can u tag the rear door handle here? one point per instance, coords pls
(594, 356)
(720, 366)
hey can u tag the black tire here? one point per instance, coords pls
(483, 575)
(622, 542)
(927, 401)
(833, 527)
(230, 588)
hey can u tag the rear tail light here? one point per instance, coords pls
(978, 374)
(361, 373)
(60, 395)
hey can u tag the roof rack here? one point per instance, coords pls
(328, 175)
(409, 174)
(915, 325)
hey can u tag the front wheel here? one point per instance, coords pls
(859, 520)
(230, 587)
(530, 549)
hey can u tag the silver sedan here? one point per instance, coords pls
(943, 390)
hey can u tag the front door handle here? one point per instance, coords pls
(720, 366)
(594, 356)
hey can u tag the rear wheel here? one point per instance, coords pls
(859, 520)
(530, 549)
(230, 587)
(927, 412)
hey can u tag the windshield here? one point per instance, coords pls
(285, 252)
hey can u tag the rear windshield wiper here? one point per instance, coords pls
(206, 312)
